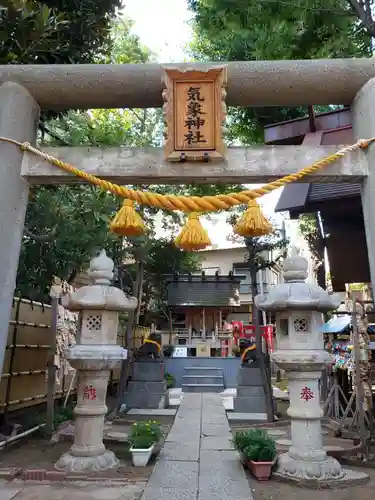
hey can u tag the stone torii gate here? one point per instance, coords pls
(25, 90)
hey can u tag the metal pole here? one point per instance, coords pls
(358, 385)
(55, 294)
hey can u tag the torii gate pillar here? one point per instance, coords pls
(19, 115)
(363, 128)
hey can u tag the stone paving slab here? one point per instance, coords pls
(180, 436)
(153, 412)
(213, 420)
(174, 474)
(215, 430)
(216, 485)
(157, 493)
(211, 461)
(180, 451)
(216, 443)
(197, 466)
(247, 417)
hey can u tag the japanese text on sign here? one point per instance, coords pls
(89, 393)
(194, 120)
(307, 394)
(194, 113)
(194, 110)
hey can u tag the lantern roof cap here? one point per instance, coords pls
(100, 295)
(295, 293)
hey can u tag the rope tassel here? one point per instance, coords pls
(193, 236)
(253, 223)
(127, 222)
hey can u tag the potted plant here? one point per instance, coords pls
(170, 380)
(241, 440)
(143, 437)
(260, 454)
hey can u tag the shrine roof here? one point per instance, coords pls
(203, 291)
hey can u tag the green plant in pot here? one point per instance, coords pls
(260, 454)
(241, 440)
(143, 437)
(171, 381)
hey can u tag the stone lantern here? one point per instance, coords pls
(94, 356)
(300, 352)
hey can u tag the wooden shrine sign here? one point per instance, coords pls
(194, 114)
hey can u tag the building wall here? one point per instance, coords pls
(223, 260)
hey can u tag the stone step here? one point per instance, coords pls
(202, 387)
(146, 400)
(203, 370)
(250, 391)
(249, 405)
(202, 379)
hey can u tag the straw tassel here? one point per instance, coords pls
(127, 222)
(253, 222)
(193, 236)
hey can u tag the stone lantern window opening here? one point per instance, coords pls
(301, 325)
(283, 327)
(94, 322)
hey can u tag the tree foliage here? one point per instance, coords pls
(265, 252)
(251, 30)
(55, 31)
(66, 225)
(308, 225)
(159, 257)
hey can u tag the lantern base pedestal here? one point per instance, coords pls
(98, 463)
(317, 474)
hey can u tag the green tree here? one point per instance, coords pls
(309, 227)
(56, 31)
(67, 224)
(245, 30)
(263, 252)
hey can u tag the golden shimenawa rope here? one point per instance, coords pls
(191, 203)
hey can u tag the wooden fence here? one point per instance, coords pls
(29, 345)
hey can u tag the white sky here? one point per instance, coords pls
(163, 27)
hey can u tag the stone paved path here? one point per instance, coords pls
(198, 460)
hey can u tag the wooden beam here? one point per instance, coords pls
(147, 166)
(250, 83)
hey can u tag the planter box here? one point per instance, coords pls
(140, 457)
(261, 470)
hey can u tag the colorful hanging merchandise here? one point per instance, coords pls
(66, 332)
(193, 236)
(364, 357)
(343, 355)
